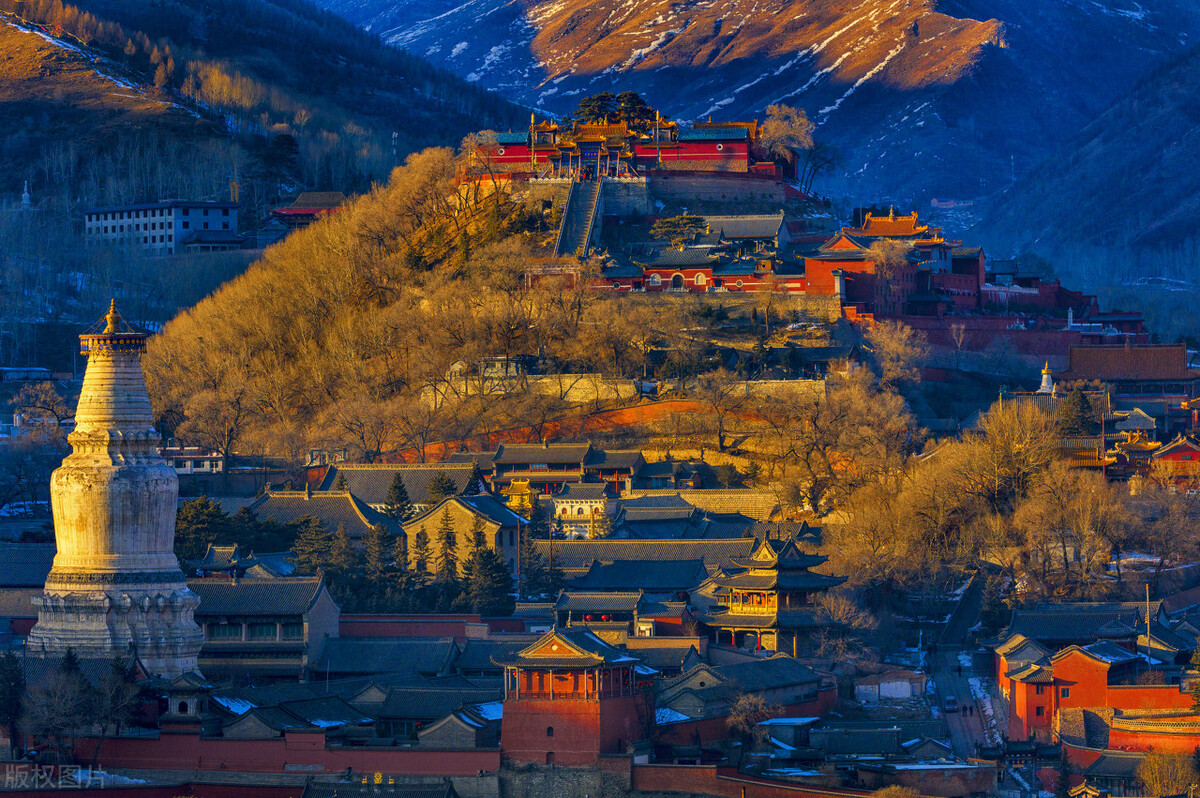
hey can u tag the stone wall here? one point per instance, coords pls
(627, 197)
(609, 780)
(715, 188)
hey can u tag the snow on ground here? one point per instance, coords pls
(458, 49)
(983, 698)
(964, 659)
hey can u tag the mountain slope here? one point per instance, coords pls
(922, 97)
(339, 107)
(1129, 180)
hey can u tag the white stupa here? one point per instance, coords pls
(116, 587)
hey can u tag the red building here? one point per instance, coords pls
(569, 698)
(590, 150)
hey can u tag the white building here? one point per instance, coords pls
(165, 228)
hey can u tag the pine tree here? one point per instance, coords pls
(12, 693)
(377, 551)
(441, 487)
(601, 525)
(340, 483)
(1074, 415)
(489, 586)
(420, 553)
(396, 505)
(198, 524)
(532, 575)
(343, 558)
(1062, 787)
(476, 535)
(447, 567)
(312, 545)
(1194, 667)
(476, 484)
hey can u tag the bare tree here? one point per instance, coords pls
(786, 131)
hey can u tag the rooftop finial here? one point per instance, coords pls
(111, 318)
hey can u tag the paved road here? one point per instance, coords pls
(966, 727)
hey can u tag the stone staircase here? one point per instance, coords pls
(578, 219)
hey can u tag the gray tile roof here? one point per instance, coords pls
(261, 597)
(584, 601)
(756, 226)
(776, 672)
(372, 655)
(614, 458)
(25, 564)
(485, 459)
(576, 556)
(421, 703)
(695, 257)
(332, 508)
(714, 134)
(17, 602)
(649, 575)
(486, 505)
(582, 490)
(1079, 621)
(476, 655)
(518, 453)
(371, 483)
(755, 504)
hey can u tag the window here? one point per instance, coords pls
(185, 225)
(655, 279)
(549, 731)
(183, 708)
(1066, 692)
(720, 147)
(578, 511)
(224, 631)
(206, 211)
(261, 631)
(224, 211)
(700, 279)
(1185, 457)
(1041, 689)
(293, 631)
(1040, 711)
(224, 225)
(206, 225)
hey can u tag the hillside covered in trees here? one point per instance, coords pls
(295, 95)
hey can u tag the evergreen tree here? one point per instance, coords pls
(1062, 787)
(601, 525)
(597, 108)
(340, 483)
(447, 567)
(343, 558)
(476, 535)
(488, 586)
(198, 524)
(476, 484)
(312, 545)
(70, 664)
(441, 487)
(635, 112)
(12, 693)
(532, 573)
(1074, 415)
(678, 229)
(396, 505)
(1194, 667)
(377, 552)
(420, 553)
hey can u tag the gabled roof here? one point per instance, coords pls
(649, 575)
(326, 712)
(1106, 652)
(714, 134)
(1032, 674)
(756, 504)
(777, 672)
(513, 137)
(1181, 442)
(371, 483)
(485, 459)
(332, 508)
(748, 226)
(371, 655)
(1144, 362)
(313, 200)
(1051, 623)
(777, 554)
(578, 555)
(1135, 419)
(25, 564)
(486, 505)
(256, 597)
(689, 257)
(583, 491)
(422, 702)
(587, 601)
(521, 453)
(575, 647)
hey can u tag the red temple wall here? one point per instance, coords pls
(304, 751)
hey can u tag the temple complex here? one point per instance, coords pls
(116, 588)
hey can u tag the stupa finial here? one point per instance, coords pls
(111, 318)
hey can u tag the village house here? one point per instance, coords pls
(333, 508)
